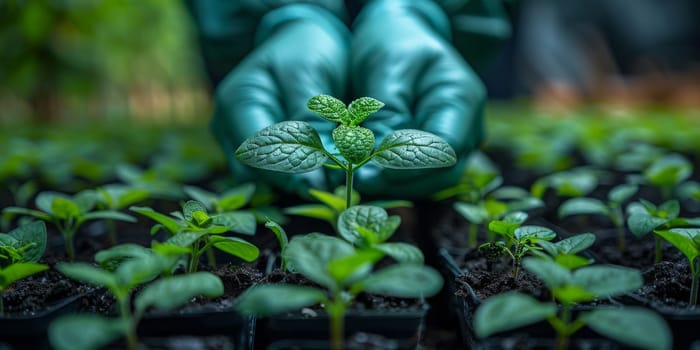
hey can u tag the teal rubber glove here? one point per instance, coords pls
(301, 50)
(402, 56)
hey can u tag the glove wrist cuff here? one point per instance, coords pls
(428, 12)
(278, 18)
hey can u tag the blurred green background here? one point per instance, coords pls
(89, 59)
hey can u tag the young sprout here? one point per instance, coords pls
(612, 208)
(68, 213)
(634, 326)
(369, 227)
(687, 240)
(296, 147)
(332, 204)
(569, 183)
(198, 231)
(518, 240)
(667, 172)
(497, 204)
(89, 331)
(20, 249)
(644, 217)
(118, 197)
(342, 272)
(565, 252)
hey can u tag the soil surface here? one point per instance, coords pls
(34, 294)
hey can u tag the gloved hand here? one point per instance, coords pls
(402, 56)
(301, 50)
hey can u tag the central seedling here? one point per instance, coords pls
(296, 147)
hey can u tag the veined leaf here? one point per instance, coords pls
(171, 292)
(290, 146)
(521, 309)
(328, 107)
(414, 149)
(273, 299)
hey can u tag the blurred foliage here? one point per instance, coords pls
(91, 57)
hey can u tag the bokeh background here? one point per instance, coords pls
(92, 59)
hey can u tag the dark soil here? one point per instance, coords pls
(639, 253)
(487, 278)
(31, 295)
(667, 284)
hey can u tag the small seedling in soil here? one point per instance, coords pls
(480, 177)
(369, 227)
(90, 331)
(283, 241)
(687, 240)
(342, 272)
(68, 213)
(118, 197)
(20, 249)
(667, 172)
(332, 204)
(517, 240)
(634, 326)
(611, 209)
(644, 217)
(569, 183)
(296, 147)
(565, 252)
(253, 198)
(496, 205)
(196, 230)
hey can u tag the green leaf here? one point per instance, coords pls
(191, 207)
(473, 213)
(668, 170)
(669, 209)
(388, 204)
(236, 197)
(138, 270)
(239, 221)
(18, 271)
(633, 326)
(108, 215)
(361, 108)
(573, 294)
(88, 274)
(334, 201)
(310, 254)
(85, 200)
(348, 269)
(621, 193)
(28, 212)
(44, 199)
(355, 143)
(521, 310)
(185, 238)
(328, 107)
(170, 224)
(85, 332)
(273, 299)
(208, 199)
(571, 261)
(121, 252)
(169, 293)
(33, 232)
(534, 233)
(641, 224)
(369, 217)
(607, 280)
(169, 249)
(315, 211)
(684, 240)
(580, 206)
(279, 232)
(404, 281)
(290, 147)
(236, 247)
(414, 149)
(575, 244)
(390, 226)
(551, 273)
(401, 252)
(64, 208)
